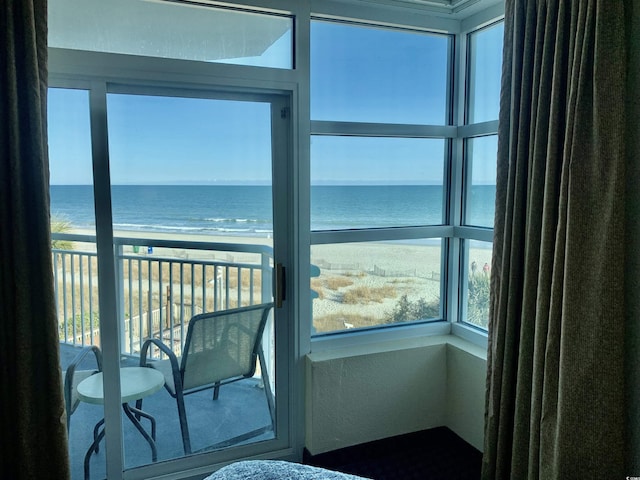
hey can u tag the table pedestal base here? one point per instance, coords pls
(133, 414)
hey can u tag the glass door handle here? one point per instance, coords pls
(280, 285)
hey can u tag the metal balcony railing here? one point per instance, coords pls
(161, 284)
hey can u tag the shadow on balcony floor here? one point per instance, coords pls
(240, 408)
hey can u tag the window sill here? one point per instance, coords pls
(351, 338)
(471, 334)
(355, 339)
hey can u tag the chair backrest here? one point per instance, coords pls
(222, 346)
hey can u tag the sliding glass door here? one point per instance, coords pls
(184, 231)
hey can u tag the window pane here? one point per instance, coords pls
(485, 64)
(190, 165)
(71, 172)
(476, 311)
(197, 170)
(375, 283)
(481, 181)
(75, 263)
(369, 182)
(371, 74)
(172, 30)
(72, 212)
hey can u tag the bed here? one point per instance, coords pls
(276, 470)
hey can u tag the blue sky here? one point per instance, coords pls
(366, 74)
(358, 74)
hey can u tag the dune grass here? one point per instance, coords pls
(365, 295)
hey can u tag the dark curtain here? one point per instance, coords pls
(632, 279)
(32, 428)
(555, 383)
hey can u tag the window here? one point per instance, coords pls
(361, 73)
(72, 201)
(484, 64)
(374, 283)
(378, 174)
(480, 188)
(376, 182)
(401, 180)
(475, 298)
(380, 178)
(484, 60)
(192, 230)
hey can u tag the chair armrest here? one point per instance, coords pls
(161, 346)
(79, 357)
(175, 368)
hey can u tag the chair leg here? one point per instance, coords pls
(267, 387)
(216, 390)
(184, 428)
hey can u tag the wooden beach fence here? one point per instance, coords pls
(379, 271)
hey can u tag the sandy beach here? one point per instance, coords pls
(380, 273)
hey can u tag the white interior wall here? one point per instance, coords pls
(366, 393)
(466, 387)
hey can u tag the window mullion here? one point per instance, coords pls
(456, 172)
(106, 280)
(400, 233)
(324, 127)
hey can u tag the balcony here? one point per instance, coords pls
(160, 285)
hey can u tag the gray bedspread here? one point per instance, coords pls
(276, 470)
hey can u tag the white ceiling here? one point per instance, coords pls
(161, 29)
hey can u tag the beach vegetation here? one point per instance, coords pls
(243, 277)
(321, 284)
(365, 295)
(317, 285)
(72, 296)
(74, 327)
(478, 290)
(187, 274)
(334, 283)
(407, 310)
(61, 225)
(358, 274)
(405, 281)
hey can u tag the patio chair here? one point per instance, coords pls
(72, 377)
(221, 347)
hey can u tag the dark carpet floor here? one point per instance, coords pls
(435, 454)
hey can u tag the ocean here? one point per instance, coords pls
(246, 210)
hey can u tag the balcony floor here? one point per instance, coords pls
(240, 408)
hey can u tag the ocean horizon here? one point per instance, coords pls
(207, 209)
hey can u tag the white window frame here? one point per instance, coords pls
(485, 19)
(95, 71)
(454, 233)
